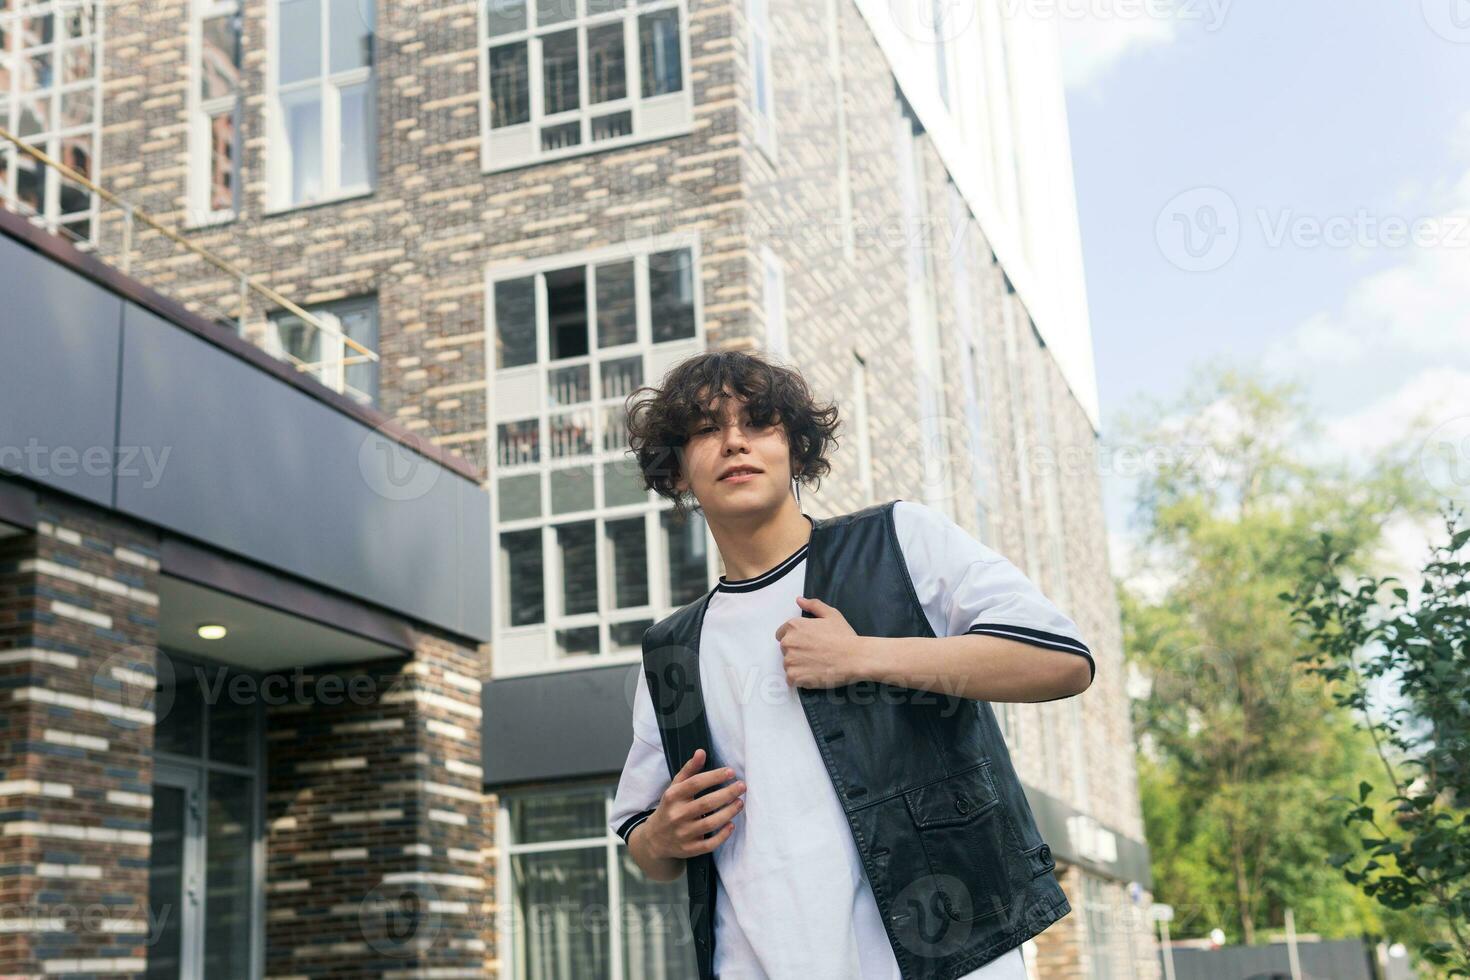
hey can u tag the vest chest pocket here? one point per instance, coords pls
(964, 843)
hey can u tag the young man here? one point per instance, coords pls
(961, 876)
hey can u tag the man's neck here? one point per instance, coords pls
(753, 543)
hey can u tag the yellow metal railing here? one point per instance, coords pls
(330, 370)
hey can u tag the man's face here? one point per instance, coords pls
(761, 452)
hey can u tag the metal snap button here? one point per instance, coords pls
(962, 805)
(1045, 852)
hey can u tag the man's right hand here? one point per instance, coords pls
(677, 827)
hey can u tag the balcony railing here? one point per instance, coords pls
(148, 250)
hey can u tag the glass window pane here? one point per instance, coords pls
(519, 497)
(620, 376)
(617, 315)
(578, 640)
(166, 882)
(515, 322)
(560, 136)
(78, 62)
(569, 385)
(510, 87)
(671, 294)
(40, 66)
(520, 569)
(566, 312)
(539, 818)
(571, 489)
(607, 63)
(232, 717)
(360, 322)
(219, 57)
(299, 40)
(576, 544)
(688, 570)
(658, 52)
(570, 434)
(352, 33)
(559, 72)
(222, 161)
(554, 937)
(304, 135)
(628, 560)
(595, 7)
(77, 108)
(518, 442)
(655, 924)
(622, 483)
(554, 11)
(613, 126)
(38, 30)
(357, 137)
(227, 876)
(504, 16)
(628, 636)
(179, 705)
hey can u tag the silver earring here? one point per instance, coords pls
(796, 485)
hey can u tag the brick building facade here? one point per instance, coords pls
(525, 210)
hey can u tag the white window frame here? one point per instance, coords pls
(653, 118)
(50, 141)
(773, 304)
(505, 894)
(758, 48)
(534, 377)
(330, 86)
(201, 111)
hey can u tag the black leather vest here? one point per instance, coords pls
(946, 837)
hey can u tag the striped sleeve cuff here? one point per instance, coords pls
(631, 822)
(1040, 638)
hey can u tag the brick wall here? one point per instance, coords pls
(78, 628)
(376, 822)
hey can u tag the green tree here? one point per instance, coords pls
(1417, 830)
(1239, 746)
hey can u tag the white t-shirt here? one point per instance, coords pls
(795, 902)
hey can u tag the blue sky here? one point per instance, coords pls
(1310, 141)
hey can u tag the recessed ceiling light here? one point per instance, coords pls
(212, 631)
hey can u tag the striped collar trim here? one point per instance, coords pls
(770, 575)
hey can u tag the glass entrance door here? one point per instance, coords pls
(173, 875)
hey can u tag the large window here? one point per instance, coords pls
(324, 354)
(587, 558)
(49, 97)
(323, 98)
(581, 907)
(569, 76)
(214, 99)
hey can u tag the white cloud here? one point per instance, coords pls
(1094, 42)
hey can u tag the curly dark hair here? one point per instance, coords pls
(659, 422)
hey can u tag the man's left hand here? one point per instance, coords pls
(819, 652)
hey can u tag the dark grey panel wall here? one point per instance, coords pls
(558, 726)
(58, 375)
(265, 470)
(205, 444)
